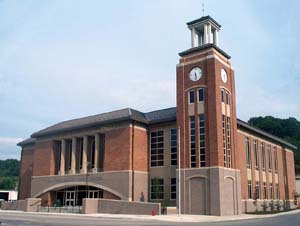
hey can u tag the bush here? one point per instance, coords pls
(265, 206)
(272, 205)
(278, 205)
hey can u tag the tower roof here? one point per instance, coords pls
(204, 19)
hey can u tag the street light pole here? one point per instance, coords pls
(87, 176)
(179, 174)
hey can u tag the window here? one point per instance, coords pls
(191, 97)
(271, 191)
(263, 156)
(277, 191)
(92, 153)
(157, 148)
(157, 189)
(257, 190)
(228, 143)
(193, 141)
(173, 147)
(248, 153)
(80, 144)
(276, 160)
(200, 95)
(222, 95)
(173, 189)
(265, 190)
(227, 98)
(202, 139)
(249, 189)
(69, 150)
(224, 140)
(256, 155)
(269, 157)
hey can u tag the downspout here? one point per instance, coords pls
(132, 162)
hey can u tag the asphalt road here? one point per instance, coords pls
(21, 219)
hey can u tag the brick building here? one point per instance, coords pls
(222, 164)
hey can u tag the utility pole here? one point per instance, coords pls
(179, 174)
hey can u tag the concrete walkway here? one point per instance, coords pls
(169, 218)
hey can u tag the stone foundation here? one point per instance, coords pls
(249, 206)
(27, 205)
(119, 207)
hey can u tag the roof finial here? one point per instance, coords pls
(203, 9)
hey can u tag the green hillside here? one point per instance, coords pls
(288, 129)
(9, 174)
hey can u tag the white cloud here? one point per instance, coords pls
(10, 140)
(9, 148)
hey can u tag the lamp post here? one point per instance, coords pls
(179, 174)
(87, 178)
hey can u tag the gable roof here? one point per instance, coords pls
(153, 117)
(245, 125)
(104, 118)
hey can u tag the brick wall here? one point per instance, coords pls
(291, 183)
(211, 79)
(25, 173)
(140, 149)
(43, 159)
(285, 167)
(117, 149)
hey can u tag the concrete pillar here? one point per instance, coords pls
(205, 41)
(209, 40)
(97, 144)
(216, 38)
(84, 155)
(62, 157)
(194, 37)
(73, 156)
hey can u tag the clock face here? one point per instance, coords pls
(224, 75)
(195, 74)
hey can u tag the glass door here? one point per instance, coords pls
(70, 198)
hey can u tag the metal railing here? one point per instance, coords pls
(62, 209)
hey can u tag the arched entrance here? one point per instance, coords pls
(73, 196)
(198, 195)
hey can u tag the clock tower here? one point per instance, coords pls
(206, 116)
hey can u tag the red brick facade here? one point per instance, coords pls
(26, 173)
(223, 181)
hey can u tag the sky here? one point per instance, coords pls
(62, 59)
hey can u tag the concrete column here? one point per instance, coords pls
(84, 155)
(62, 157)
(209, 40)
(97, 144)
(194, 38)
(216, 38)
(205, 41)
(73, 156)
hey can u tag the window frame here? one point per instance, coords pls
(270, 162)
(202, 149)
(157, 149)
(263, 156)
(256, 160)
(157, 185)
(172, 147)
(173, 185)
(198, 95)
(250, 192)
(275, 159)
(193, 164)
(248, 153)
(189, 96)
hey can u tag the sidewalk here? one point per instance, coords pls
(169, 218)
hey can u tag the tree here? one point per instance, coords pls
(287, 129)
